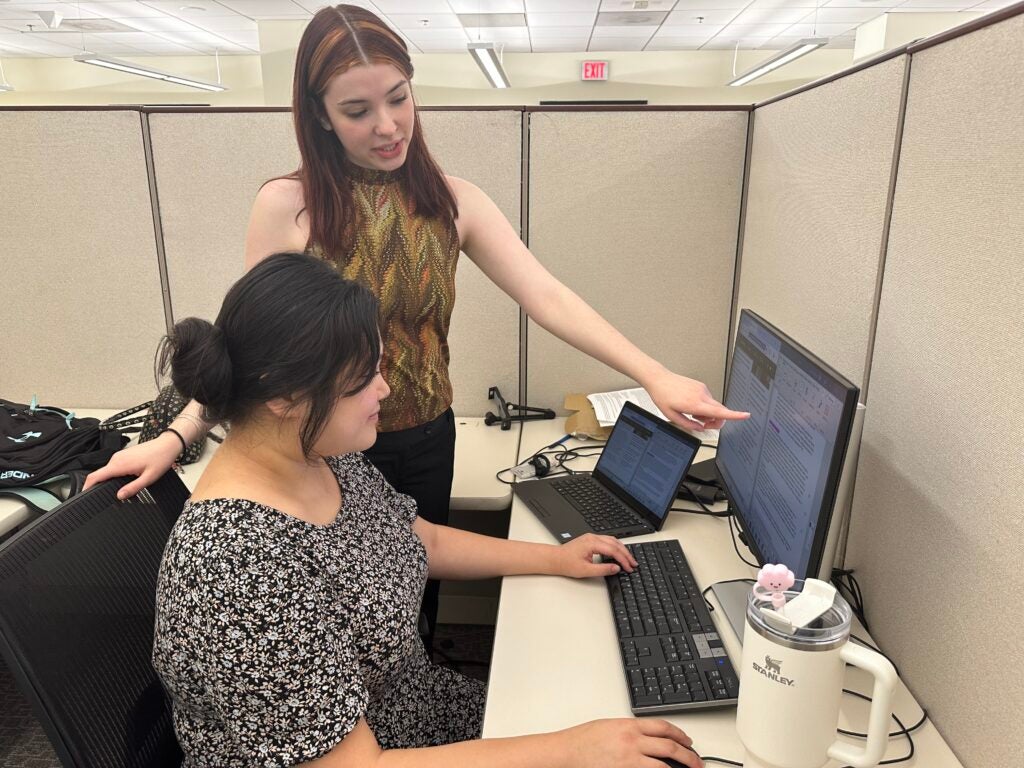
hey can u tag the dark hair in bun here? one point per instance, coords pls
(290, 327)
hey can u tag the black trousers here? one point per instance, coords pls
(420, 462)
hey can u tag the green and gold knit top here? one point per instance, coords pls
(408, 262)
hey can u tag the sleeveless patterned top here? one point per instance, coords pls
(408, 262)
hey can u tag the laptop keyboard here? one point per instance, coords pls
(671, 653)
(600, 508)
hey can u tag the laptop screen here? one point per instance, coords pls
(645, 460)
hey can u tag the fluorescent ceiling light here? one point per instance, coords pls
(781, 58)
(136, 69)
(488, 60)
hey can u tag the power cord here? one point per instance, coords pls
(704, 508)
(735, 546)
(847, 585)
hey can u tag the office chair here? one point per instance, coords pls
(77, 602)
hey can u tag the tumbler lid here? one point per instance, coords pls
(810, 623)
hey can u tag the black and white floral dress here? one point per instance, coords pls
(275, 636)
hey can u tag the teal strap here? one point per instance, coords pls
(37, 499)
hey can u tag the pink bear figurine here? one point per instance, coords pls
(774, 580)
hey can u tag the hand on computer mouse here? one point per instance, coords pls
(576, 559)
(629, 743)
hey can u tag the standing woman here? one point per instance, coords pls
(369, 199)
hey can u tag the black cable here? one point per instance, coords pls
(903, 731)
(704, 509)
(721, 760)
(846, 582)
(736, 547)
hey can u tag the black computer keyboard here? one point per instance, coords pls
(599, 506)
(671, 652)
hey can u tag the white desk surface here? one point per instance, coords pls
(556, 661)
(480, 451)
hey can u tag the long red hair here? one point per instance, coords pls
(337, 39)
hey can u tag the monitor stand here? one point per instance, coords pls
(732, 601)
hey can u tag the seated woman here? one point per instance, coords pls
(290, 587)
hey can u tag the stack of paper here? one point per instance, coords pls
(607, 406)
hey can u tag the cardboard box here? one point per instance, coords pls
(583, 420)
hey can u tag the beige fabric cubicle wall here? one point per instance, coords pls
(82, 309)
(820, 167)
(638, 213)
(484, 147)
(937, 529)
(210, 165)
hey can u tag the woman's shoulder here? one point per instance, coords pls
(283, 195)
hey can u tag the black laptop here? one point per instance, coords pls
(631, 489)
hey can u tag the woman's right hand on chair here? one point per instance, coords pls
(148, 461)
(629, 743)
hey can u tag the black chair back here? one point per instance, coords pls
(77, 603)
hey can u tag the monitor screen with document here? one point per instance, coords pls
(781, 467)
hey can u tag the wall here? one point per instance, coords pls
(441, 79)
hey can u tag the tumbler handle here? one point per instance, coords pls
(881, 708)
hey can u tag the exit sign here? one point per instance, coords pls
(594, 70)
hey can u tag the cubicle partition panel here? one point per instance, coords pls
(820, 169)
(82, 311)
(638, 213)
(937, 535)
(209, 167)
(485, 148)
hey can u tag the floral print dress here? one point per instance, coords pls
(274, 637)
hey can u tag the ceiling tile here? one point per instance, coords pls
(564, 44)
(427, 34)
(843, 15)
(946, 5)
(265, 9)
(560, 33)
(842, 43)
(487, 6)
(561, 19)
(618, 44)
(770, 16)
(626, 6)
(415, 20)
(492, 20)
(161, 24)
(755, 30)
(675, 43)
(860, 3)
(630, 19)
(415, 6)
(794, 3)
(685, 6)
(441, 46)
(562, 6)
(690, 30)
(499, 34)
(234, 23)
(624, 32)
(123, 10)
(710, 16)
(819, 30)
(173, 7)
(315, 5)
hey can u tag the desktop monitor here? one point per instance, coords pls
(781, 467)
